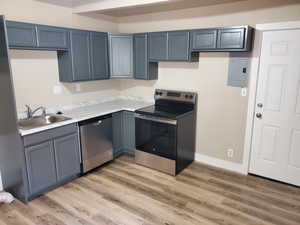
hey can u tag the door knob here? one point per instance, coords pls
(260, 105)
(259, 115)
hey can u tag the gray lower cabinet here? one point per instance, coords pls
(121, 55)
(143, 69)
(21, 35)
(67, 156)
(52, 158)
(123, 133)
(205, 39)
(40, 166)
(52, 37)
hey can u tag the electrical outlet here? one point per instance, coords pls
(230, 153)
(77, 87)
(57, 90)
(244, 92)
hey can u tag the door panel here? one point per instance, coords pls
(67, 156)
(40, 166)
(99, 55)
(140, 57)
(178, 45)
(52, 37)
(158, 43)
(21, 34)
(121, 56)
(231, 38)
(80, 55)
(276, 134)
(204, 39)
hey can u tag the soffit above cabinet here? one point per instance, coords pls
(122, 8)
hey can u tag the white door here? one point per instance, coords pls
(276, 135)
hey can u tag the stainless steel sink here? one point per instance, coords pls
(40, 121)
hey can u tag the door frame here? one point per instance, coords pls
(253, 82)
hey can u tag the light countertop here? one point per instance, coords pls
(89, 111)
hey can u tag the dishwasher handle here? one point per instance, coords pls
(98, 123)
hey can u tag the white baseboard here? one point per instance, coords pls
(235, 167)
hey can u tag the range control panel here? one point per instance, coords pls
(182, 96)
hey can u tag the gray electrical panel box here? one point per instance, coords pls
(238, 72)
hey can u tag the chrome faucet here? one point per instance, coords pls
(30, 113)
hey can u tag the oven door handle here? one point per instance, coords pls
(156, 119)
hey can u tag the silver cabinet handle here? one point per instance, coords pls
(156, 119)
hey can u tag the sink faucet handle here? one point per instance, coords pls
(28, 111)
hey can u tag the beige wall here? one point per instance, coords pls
(35, 73)
(221, 109)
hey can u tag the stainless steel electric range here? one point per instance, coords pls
(165, 132)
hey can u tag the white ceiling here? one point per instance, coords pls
(122, 8)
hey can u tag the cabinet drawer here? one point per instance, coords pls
(21, 34)
(52, 37)
(49, 134)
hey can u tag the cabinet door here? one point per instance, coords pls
(128, 132)
(80, 45)
(231, 38)
(178, 45)
(140, 56)
(158, 46)
(52, 37)
(40, 166)
(99, 55)
(117, 133)
(67, 156)
(21, 34)
(204, 39)
(121, 56)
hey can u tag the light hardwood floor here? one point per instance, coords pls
(123, 193)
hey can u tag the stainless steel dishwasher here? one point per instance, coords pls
(96, 142)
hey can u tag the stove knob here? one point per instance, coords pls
(156, 93)
(186, 96)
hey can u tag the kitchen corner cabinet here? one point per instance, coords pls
(121, 55)
(123, 133)
(39, 37)
(87, 58)
(52, 158)
(171, 46)
(143, 69)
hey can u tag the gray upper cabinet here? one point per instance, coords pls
(204, 39)
(21, 35)
(121, 55)
(80, 48)
(67, 156)
(52, 37)
(231, 38)
(143, 69)
(158, 44)
(40, 166)
(99, 55)
(178, 45)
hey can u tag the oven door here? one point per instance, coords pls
(156, 135)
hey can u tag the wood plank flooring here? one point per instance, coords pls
(123, 193)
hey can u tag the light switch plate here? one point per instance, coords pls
(244, 92)
(57, 90)
(77, 87)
